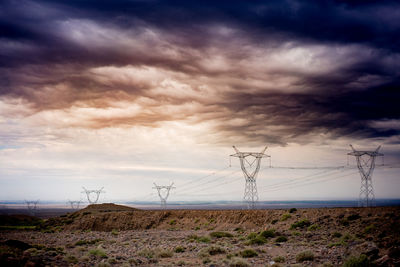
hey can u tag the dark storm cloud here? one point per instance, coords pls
(344, 74)
(372, 22)
(339, 115)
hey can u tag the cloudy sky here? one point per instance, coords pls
(125, 93)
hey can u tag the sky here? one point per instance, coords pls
(121, 94)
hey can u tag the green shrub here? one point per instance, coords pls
(112, 261)
(336, 244)
(353, 217)
(181, 263)
(251, 235)
(305, 256)
(274, 221)
(336, 234)
(279, 259)
(98, 252)
(285, 217)
(206, 260)
(172, 222)
(347, 237)
(268, 233)
(147, 253)
(114, 232)
(292, 210)
(87, 242)
(258, 240)
(248, 253)
(71, 259)
(238, 262)
(369, 228)
(165, 253)
(202, 239)
(360, 261)
(300, 224)
(220, 234)
(281, 238)
(313, 227)
(179, 249)
(214, 250)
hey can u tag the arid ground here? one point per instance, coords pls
(112, 235)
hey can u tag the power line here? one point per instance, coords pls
(307, 168)
(296, 180)
(220, 184)
(209, 182)
(202, 178)
(313, 182)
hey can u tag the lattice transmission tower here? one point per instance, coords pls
(250, 170)
(163, 193)
(32, 206)
(74, 204)
(96, 194)
(366, 166)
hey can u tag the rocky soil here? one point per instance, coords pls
(108, 235)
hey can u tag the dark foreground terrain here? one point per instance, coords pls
(112, 235)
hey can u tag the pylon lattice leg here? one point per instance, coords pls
(250, 193)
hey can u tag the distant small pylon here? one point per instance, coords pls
(32, 206)
(163, 193)
(366, 166)
(74, 204)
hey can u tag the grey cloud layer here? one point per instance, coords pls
(286, 71)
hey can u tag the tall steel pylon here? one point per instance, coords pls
(95, 192)
(250, 197)
(366, 166)
(163, 193)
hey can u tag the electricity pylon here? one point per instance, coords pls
(89, 192)
(32, 206)
(366, 166)
(250, 191)
(74, 204)
(163, 193)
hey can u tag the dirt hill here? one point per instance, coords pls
(106, 217)
(106, 207)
